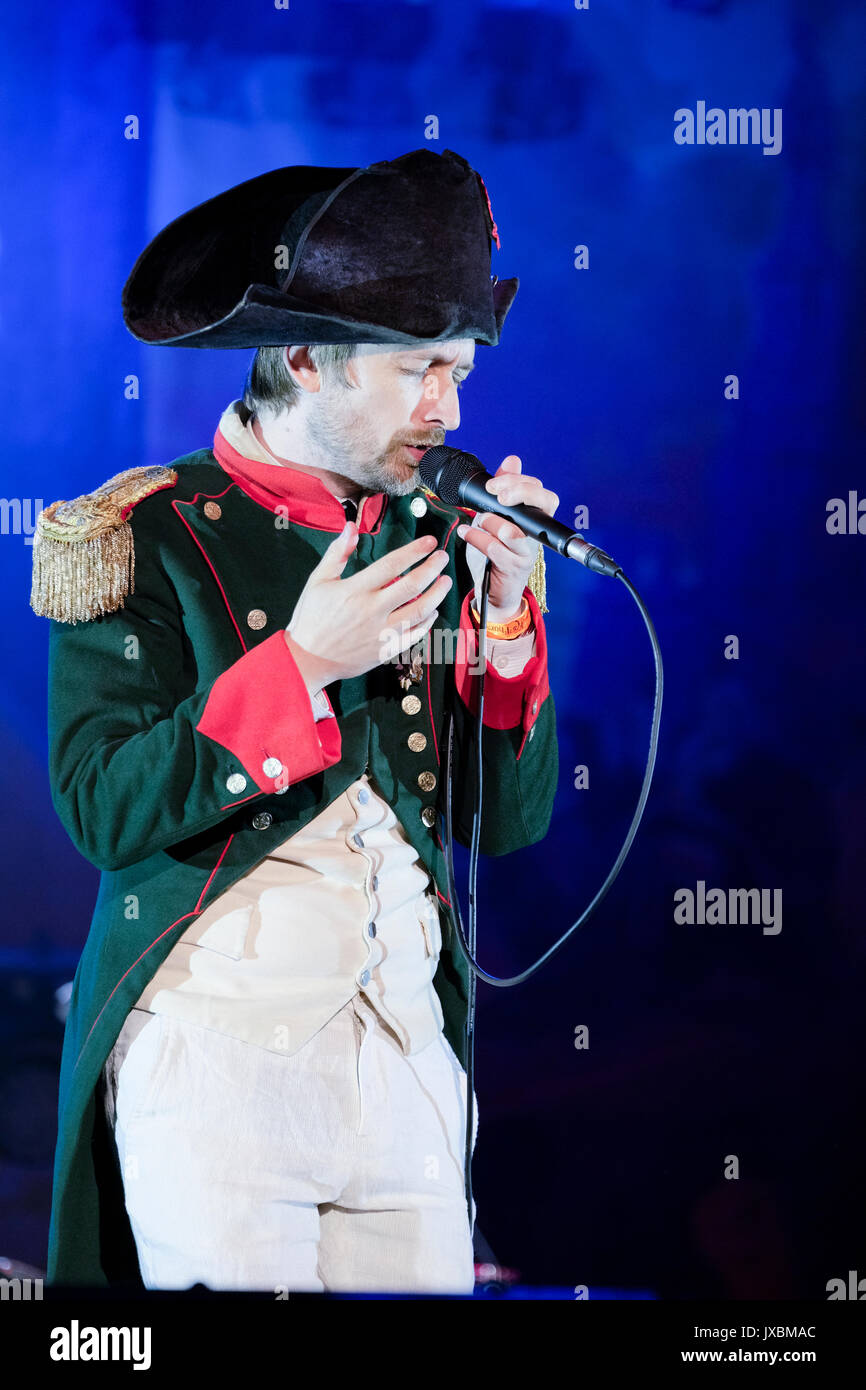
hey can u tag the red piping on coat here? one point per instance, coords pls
(208, 562)
(194, 913)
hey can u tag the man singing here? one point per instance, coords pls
(263, 1078)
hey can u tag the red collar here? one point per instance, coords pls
(273, 484)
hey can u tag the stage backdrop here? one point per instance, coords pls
(669, 1106)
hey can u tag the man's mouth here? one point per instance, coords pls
(415, 452)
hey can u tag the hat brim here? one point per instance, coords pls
(266, 317)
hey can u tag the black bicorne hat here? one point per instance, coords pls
(395, 252)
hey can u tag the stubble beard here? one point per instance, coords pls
(345, 442)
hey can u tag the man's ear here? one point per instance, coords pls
(301, 368)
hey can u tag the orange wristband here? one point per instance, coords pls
(505, 632)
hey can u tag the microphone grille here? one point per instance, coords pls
(444, 469)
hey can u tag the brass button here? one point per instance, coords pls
(213, 510)
(426, 781)
(417, 742)
(410, 704)
(256, 618)
(428, 815)
(262, 820)
(418, 506)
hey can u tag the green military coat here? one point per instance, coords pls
(162, 715)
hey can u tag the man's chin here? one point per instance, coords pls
(401, 487)
(395, 473)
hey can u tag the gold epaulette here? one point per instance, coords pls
(83, 556)
(537, 581)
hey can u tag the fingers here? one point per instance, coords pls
(334, 559)
(400, 594)
(389, 567)
(412, 602)
(515, 489)
(419, 602)
(398, 637)
(498, 537)
(407, 597)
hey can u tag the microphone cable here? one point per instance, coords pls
(468, 947)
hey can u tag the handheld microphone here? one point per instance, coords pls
(458, 478)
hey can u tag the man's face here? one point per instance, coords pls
(399, 398)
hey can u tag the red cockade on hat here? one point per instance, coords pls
(494, 231)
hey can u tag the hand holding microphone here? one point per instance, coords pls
(511, 553)
(459, 479)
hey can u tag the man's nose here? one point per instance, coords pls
(442, 409)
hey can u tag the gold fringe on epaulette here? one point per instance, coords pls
(83, 555)
(537, 581)
(75, 582)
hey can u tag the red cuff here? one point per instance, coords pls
(259, 709)
(509, 701)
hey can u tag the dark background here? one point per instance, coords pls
(602, 1166)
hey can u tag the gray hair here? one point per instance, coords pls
(270, 385)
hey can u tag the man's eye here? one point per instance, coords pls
(407, 371)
